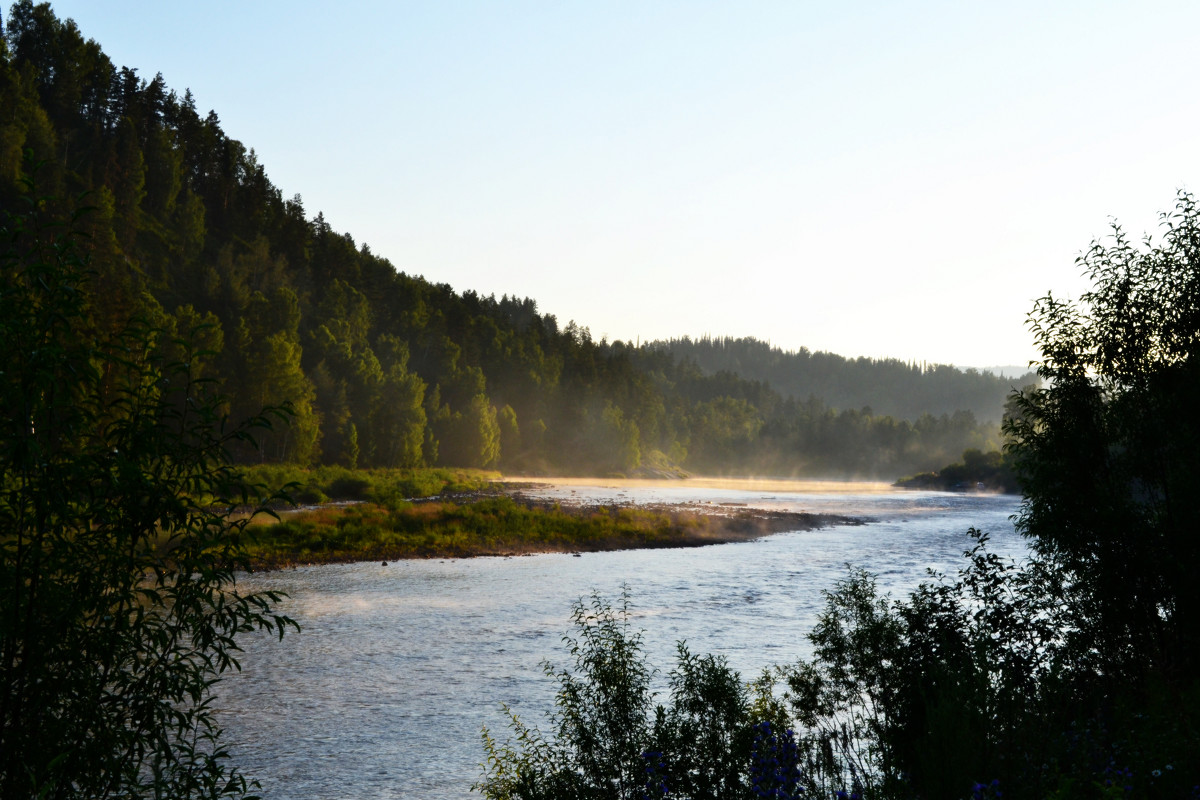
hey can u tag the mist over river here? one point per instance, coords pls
(396, 669)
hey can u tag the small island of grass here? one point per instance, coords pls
(498, 526)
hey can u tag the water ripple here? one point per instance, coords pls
(397, 668)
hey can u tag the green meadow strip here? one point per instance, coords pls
(497, 526)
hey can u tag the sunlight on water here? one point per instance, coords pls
(725, 484)
(385, 690)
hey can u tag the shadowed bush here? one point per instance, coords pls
(120, 609)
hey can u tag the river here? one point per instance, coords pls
(384, 691)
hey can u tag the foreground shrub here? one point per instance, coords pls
(715, 738)
(119, 608)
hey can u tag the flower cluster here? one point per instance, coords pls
(987, 791)
(656, 776)
(775, 764)
(1122, 777)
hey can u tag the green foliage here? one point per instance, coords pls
(703, 739)
(991, 471)
(843, 698)
(471, 438)
(383, 486)
(921, 698)
(1109, 449)
(896, 388)
(120, 610)
(607, 440)
(976, 679)
(608, 738)
(510, 435)
(398, 414)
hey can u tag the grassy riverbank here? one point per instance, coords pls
(497, 526)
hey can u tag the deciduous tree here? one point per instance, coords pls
(119, 609)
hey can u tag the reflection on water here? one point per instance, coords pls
(385, 690)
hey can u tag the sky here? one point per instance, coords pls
(883, 179)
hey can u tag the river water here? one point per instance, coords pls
(384, 691)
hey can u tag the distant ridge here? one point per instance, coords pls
(1009, 371)
(902, 389)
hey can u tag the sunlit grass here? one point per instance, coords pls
(491, 526)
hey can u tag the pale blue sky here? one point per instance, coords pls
(870, 178)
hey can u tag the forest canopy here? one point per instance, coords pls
(383, 368)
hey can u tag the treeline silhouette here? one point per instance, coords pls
(889, 386)
(383, 368)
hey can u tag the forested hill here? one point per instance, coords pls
(379, 367)
(888, 386)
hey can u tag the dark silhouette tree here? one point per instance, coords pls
(119, 609)
(1109, 449)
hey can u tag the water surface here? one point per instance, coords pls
(397, 667)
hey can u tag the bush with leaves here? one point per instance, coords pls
(119, 609)
(1108, 450)
(1108, 455)
(843, 699)
(601, 719)
(713, 739)
(923, 697)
